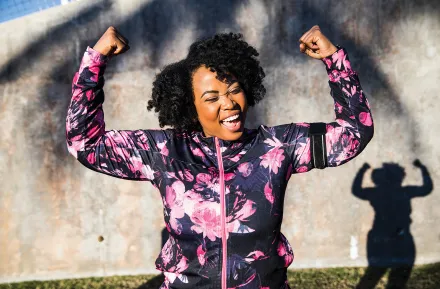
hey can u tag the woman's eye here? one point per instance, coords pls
(236, 90)
(212, 99)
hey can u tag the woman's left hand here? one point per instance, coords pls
(315, 44)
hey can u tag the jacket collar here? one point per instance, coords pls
(232, 151)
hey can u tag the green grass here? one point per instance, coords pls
(426, 277)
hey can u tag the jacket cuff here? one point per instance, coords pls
(92, 66)
(338, 64)
(96, 57)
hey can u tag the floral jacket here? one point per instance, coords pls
(223, 200)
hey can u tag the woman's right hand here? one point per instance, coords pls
(111, 43)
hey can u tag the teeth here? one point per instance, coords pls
(231, 118)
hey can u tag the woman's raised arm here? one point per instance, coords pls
(120, 153)
(352, 129)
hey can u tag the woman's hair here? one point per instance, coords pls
(225, 54)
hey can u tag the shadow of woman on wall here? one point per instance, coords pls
(390, 244)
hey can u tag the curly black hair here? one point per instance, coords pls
(224, 53)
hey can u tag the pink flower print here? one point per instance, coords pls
(284, 250)
(272, 159)
(142, 139)
(91, 158)
(245, 169)
(301, 169)
(170, 175)
(334, 76)
(346, 75)
(171, 258)
(347, 64)
(302, 152)
(148, 172)
(268, 193)
(174, 202)
(201, 255)
(135, 163)
(349, 146)
(338, 107)
(256, 255)
(343, 123)
(163, 148)
(206, 221)
(198, 152)
(339, 58)
(353, 90)
(332, 135)
(235, 226)
(193, 196)
(186, 175)
(273, 142)
(248, 209)
(89, 94)
(327, 62)
(241, 210)
(365, 118)
(208, 186)
(229, 176)
(236, 158)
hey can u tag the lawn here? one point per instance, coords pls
(426, 277)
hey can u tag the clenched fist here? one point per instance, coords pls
(111, 43)
(315, 44)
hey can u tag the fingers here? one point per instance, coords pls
(313, 54)
(120, 43)
(308, 42)
(310, 37)
(120, 46)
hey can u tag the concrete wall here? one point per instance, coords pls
(52, 209)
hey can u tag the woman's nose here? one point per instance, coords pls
(227, 102)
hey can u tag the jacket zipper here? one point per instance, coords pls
(223, 211)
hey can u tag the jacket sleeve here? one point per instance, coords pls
(125, 154)
(352, 129)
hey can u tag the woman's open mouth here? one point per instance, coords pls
(233, 123)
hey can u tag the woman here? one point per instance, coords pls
(222, 185)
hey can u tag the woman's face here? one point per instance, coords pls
(221, 107)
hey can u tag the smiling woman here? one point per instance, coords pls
(221, 107)
(222, 185)
(219, 78)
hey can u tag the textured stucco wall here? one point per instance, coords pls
(52, 209)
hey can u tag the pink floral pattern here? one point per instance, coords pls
(249, 182)
(206, 221)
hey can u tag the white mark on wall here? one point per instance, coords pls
(252, 18)
(354, 248)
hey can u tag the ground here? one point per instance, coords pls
(426, 277)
